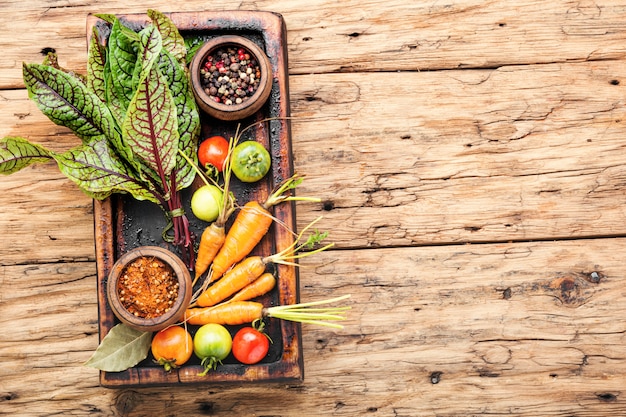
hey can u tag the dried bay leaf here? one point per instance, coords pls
(122, 348)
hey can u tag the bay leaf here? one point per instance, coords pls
(122, 348)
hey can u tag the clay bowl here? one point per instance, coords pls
(148, 257)
(252, 104)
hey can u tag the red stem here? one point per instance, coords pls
(182, 235)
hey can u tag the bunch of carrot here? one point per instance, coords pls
(247, 279)
(245, 275)
(234, 272)
(234, 277)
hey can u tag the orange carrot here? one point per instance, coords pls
(252, 267)
(251, 224)
(240, 312)
(234, 280)
(213, 236)
(261, 286)
(211, 241)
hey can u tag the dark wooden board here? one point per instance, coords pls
(122, 223)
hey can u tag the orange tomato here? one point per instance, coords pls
(172, 347)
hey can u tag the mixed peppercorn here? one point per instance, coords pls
(230, 75)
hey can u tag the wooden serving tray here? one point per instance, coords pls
(122, 223)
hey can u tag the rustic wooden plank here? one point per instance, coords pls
(535, 155)
(48, 218)
(330, 36)
(473, 330)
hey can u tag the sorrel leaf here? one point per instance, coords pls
(96, 62)
(173, 42)
(98, 172)
(150, 128)
(122, 58)
(122, 348)
(113, 103)
(187, 114)
(107, 17)
(67, 102)
(192, 44)
(51, 59)
(17, 153)
(151, 44)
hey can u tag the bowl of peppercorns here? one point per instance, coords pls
(231, 77)
(149, 288)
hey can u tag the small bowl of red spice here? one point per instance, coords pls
(231, 77)
(149, 288)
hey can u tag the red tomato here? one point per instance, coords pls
(250, 345)
(172, 347)
(213, 151)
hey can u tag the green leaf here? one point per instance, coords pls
(51, 59)
(122, 58)
(151, 45)
(107, 17)
(150, 128)
(17, 153)
(192, 44)
(172, 39)
(113, 103)
(122, 348)
(187, 115)
(96, 61)
(98, 172)
(68, 102)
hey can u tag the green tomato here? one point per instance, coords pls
(212, 343)
(206, 202)
(250, 161)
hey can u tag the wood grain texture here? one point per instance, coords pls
(534, 155)
(356, 36)
(448, 330)
(469, 155)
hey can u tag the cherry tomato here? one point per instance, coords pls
(212, 152)
(250, 161)
(172, 347)
(250, 345)
(206, 202)
(212, 343)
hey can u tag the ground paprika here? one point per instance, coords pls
(148, 287)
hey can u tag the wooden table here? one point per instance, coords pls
(469, 155)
